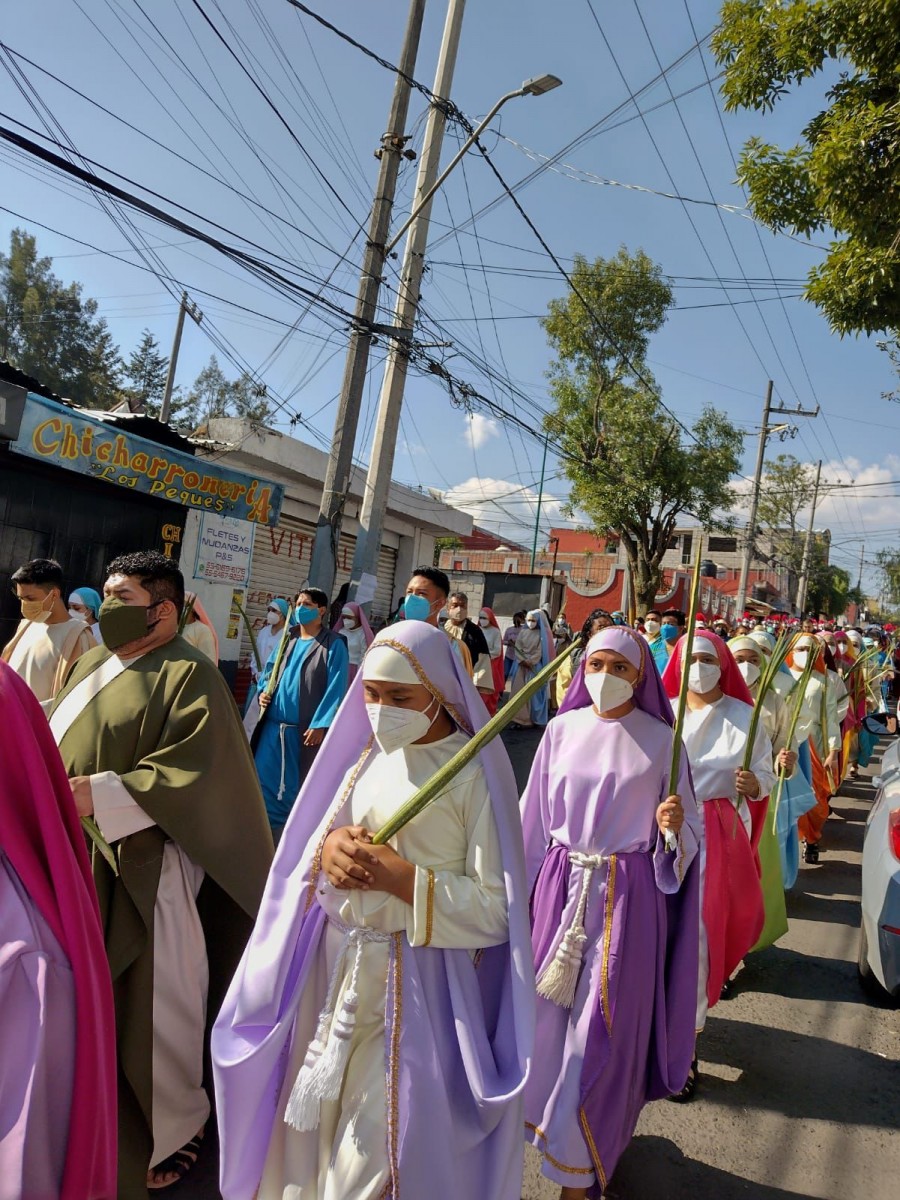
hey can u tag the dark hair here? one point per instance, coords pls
(459, 596)
(594, 615)
(679, 616)
(316, 595)
(433, 575)
(651, 610)
(45, 572)
(157, 574)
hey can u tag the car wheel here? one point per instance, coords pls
(867, 979)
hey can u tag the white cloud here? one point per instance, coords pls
(480, 430)
(505, 507)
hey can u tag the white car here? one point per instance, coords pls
(879, 934)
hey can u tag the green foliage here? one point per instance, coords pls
(889, 567)
(49, 331)
(213, 395)
(444, 543)
(829, 589)
(844, 173)
(630, 470)
(146, 372)
(786, 489)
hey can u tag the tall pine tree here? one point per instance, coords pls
(49, 331)
(146, 371)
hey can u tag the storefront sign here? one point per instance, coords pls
(52, 433)
(224, 551)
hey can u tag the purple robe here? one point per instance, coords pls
(594, 789)
(458, 1035)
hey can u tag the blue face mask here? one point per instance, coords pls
(669, 633)
(416, 608)
(618, 621)
(305, 614)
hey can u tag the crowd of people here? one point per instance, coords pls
(361, 1011)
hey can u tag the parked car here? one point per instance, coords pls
(879, 934)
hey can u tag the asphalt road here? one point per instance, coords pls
(799, 1097)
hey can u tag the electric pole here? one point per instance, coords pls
(189, 307)
(381, 460)
(340, 459)
(765, 430)
(807, 548)
(537, 515)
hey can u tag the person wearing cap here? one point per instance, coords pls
(615, 913)
(734, 803)
(269, 636)
(376, 1037)
(85, 603)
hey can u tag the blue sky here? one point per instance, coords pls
(487, 281)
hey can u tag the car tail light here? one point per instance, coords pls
(894, 832)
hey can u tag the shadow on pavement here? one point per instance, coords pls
(839, 1083)
(778, 971)
(653, 1168)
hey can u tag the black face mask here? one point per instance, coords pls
(122, 623)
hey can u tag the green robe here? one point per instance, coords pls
(169, 727)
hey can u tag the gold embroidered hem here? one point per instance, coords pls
(393, 1075)
(607, 935)
(316, 868)
(429, 909)
(592, 1147)
(554, 1162)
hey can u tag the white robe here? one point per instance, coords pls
(180, 968)
(715, 738)
(464, 906)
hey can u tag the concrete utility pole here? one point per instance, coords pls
(381, 460)
(537, 514)
(340, 459)
(807, 548)
(741, 598)
(189, 307)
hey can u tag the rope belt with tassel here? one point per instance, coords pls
(322, 1074)
(559, 979)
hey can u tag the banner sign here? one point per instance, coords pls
(52, 433)
(224, 550)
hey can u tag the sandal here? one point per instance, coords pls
(811, 852)
(178, 1164)
(687, 1092)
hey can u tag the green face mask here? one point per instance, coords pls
(122, 623)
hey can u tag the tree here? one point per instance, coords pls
(50, 332)
(444, 543)
(889, 568)
(629, 468)
(214, 395)
(146, 372)
(844, 172)
(786, 489)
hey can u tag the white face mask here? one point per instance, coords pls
(531, 624)
(607, 691)
(703, 677)
(272, 618)
(801, 657)
(396, 727)
(457, 615)
(652, 627)
(73, 612)
(348, 622)
(483, 622)
(750, 672)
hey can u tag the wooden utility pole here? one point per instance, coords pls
(189, 307)
(340, 459)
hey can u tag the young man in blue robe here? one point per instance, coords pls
(312, 681)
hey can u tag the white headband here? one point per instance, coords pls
(384, 664)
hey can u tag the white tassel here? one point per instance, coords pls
(322, 1074)
(559, 979)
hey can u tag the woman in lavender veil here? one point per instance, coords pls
(377, 1035)
(614, 914)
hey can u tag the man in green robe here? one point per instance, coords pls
(153, 744)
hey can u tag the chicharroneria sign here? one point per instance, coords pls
(52, 433)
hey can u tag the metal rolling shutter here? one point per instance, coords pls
(281, 559)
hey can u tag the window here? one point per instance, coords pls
(612, 546)
(511, 566)
(724, 545)
(459, 564)
(687, 545)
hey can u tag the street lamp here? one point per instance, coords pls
(531, 87)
